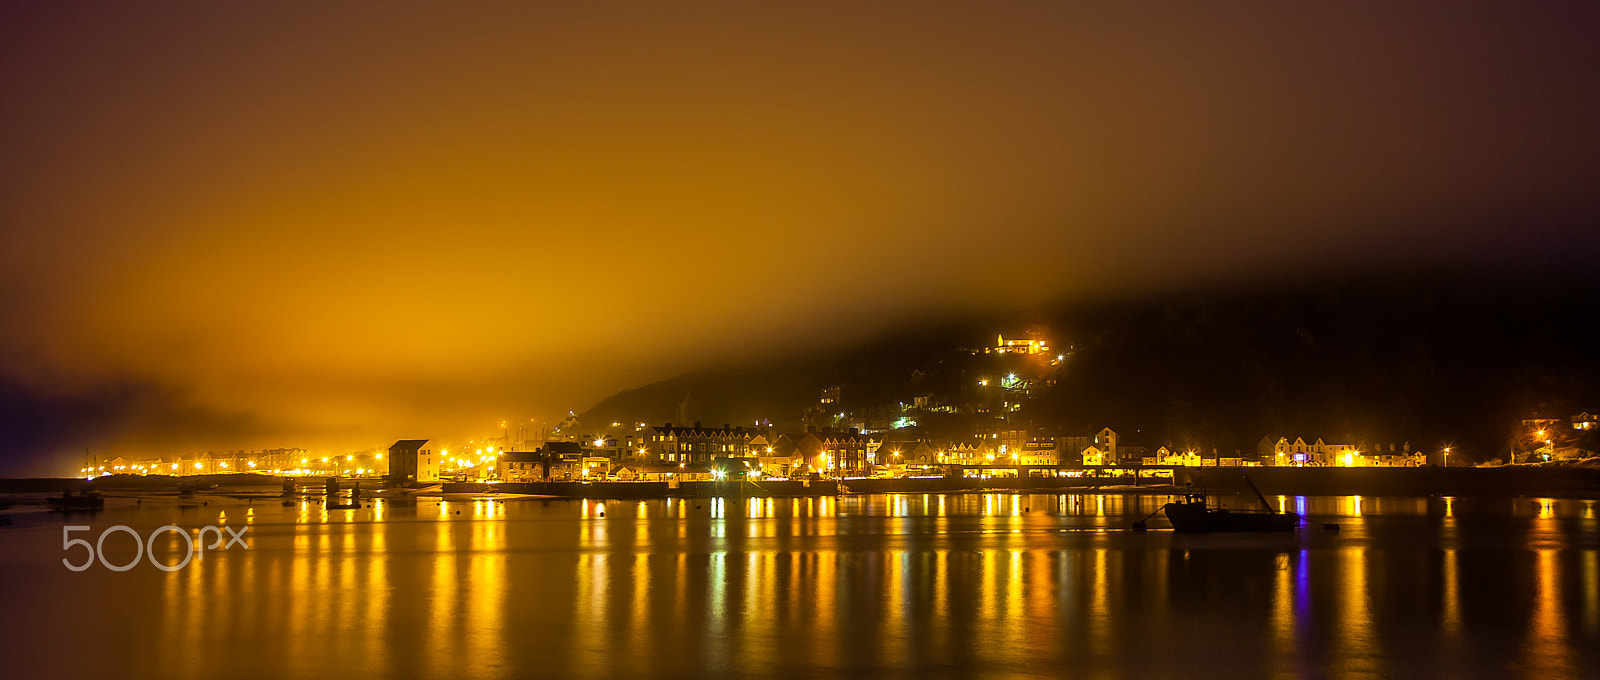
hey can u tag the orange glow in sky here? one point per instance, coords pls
(290, 224)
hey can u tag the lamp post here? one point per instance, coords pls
(1447, 456)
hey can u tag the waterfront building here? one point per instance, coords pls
(697, 445)
(562, 452)
(976, 452)
(271, 461)
(412, 460)
(776, 458)
(1039, 451)
(1106, 441)
(520, 466)
(783, 458)
(561, 461)
(1094, 456)
(200, 464)
(286, 459)
(1300, 453)
(660, 472)
(1215, 459)
(1166, 455)
(1070, 447)
(1014, 449)
(1011, 440)
(617, 448)
(595, 467)
(1388, 454)
(834, 452)
(1130, 454)
(904, 452)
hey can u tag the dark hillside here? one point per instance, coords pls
(1426, 360)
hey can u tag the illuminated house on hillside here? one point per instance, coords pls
(1014, 346)
(830, 395)
(1585, 421)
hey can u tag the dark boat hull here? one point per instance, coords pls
(76, 503)
(1196, 518)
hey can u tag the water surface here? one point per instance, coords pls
(898, 585)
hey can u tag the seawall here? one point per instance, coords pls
(739, 489)
(1425, 481)
(1566, 482)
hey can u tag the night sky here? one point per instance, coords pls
(302, 224)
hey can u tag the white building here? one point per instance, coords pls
(1301, 453)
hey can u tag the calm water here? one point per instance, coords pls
(912, 585)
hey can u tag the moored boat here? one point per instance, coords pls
(1193, 515)
(88, 500)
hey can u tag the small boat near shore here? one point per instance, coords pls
(88, 500)
(1194, 515)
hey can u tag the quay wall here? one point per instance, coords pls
(1515, 480)
(1501, 481)
(139, 482)
(737, 489)
(731, 489)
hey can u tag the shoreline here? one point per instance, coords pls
(1507, 481)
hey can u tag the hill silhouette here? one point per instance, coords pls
(1456, 359)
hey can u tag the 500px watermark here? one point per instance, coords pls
(147, 546)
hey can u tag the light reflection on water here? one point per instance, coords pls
(1283, 614)
(908, 584)
(1355, 648)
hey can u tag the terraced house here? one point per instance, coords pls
(697, 445)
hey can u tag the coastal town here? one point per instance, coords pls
(984, 435)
